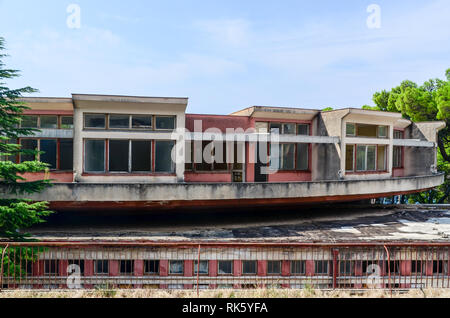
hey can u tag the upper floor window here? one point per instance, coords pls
(398, 134)
(129, 122)
(362, 158)
(285, 128)
(47, 122)
(363, 130)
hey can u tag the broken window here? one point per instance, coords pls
(118, 155)
(66, 154)
(101, 267)
(163, 156)
(298, 267)
(141, 155)
(119, 121)
(176, 267)
(165, 122)
(94, 155)
(141, 121)
(273, 267)
(225, 267)
(203, 267)
(151, 267)
(95, 121)
(249, 267)
(48, 155)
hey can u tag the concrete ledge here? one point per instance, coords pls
(222, 194)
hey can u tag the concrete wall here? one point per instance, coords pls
(417, 160)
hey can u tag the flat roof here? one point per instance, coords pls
(338, 223)
(129, 99)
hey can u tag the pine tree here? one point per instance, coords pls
(16, 213)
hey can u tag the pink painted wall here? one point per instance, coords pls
(207, 177)
(398, 172)
(221, 122)
(290, 176)
(56, 176)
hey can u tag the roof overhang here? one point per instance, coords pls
(268, 112)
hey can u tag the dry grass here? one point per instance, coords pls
(257, 293)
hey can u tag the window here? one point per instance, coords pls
(176, 267)
(303, 130)
(101, 267)
(381, 158)
(351, 130)
(66, 154)
(141, 155)
(165, 122)
(126, 267)
(349, 157)
(273, 267)
(48, 147)
(417, 267)
(95, 121)
(141, 122)
(163, 156)
(321, 267)
(79, 263)
(365, 158)
(291, 157)
(51, 267)
(66, 122)
(118, 155)
(151, 267)
(398, 134)
(49, 122)
(302, 156)
(29, 122)
(28, 144)
(249, 267)
(94, 154)
(203, 267)
(347, 268)
(119, 121)
(439, 267)
(289, 129)
(275, 128)
(367, 130)
(298, 267)
(398, 158)
(262, 127)
(394, 267)
(225, 267)
(382, 131)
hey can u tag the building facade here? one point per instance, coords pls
(93, 142)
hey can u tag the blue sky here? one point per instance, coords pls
(227, 55)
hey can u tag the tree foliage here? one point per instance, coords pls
(428, 102)
(15, 213)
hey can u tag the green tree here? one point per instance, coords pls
(429, 102)
(16, 213)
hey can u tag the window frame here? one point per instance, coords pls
(195, 267)
(96, 128)
(226, 274)
(105, 158)
(182, 268)
(273, 262)
(38, 148)
(95, 267)
(174, 117)
(256, 267)
(355, 153)
(155, 261)
(303, 267)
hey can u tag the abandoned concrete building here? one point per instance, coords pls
(123, 153)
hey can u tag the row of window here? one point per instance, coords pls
(47, 122)
(128, 156)
(127, 122)
(323, 267)
(283, 128)
(370, 131)
(366, 158)
(57, 153)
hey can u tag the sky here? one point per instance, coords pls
(227, 55)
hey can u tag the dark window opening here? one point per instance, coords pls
(165, 123)
(141, 160)
(273, 267)
(28, 144)
(67, 122)
(249, 267)
(48, 155)
(141, 122)
(225, 267)
(66, 154)
(49, 122)
(95, 121)
(151, 267)
(163, 156)
(126, 267)
(29, 122)
(203, 267)
(118, 155)
(94, 156)
(119, 121)
(176, 267)
(298, 267)
(321, 267)
(79, 263)
(51, 267)
(101, 267)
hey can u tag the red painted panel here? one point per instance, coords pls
(164, 267)
(113, 268)
(221, 122)
(309, 268)
(237, 268)
(213, 268)
(429, 268)
(262, 268)
(63, 264)
(207, 177)
(188, 268)
(405, 268)
(285, 268)
(398, 172)
(290, 176)
(138, 267)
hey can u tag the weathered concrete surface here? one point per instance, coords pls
(238, 193)
(327, 224)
